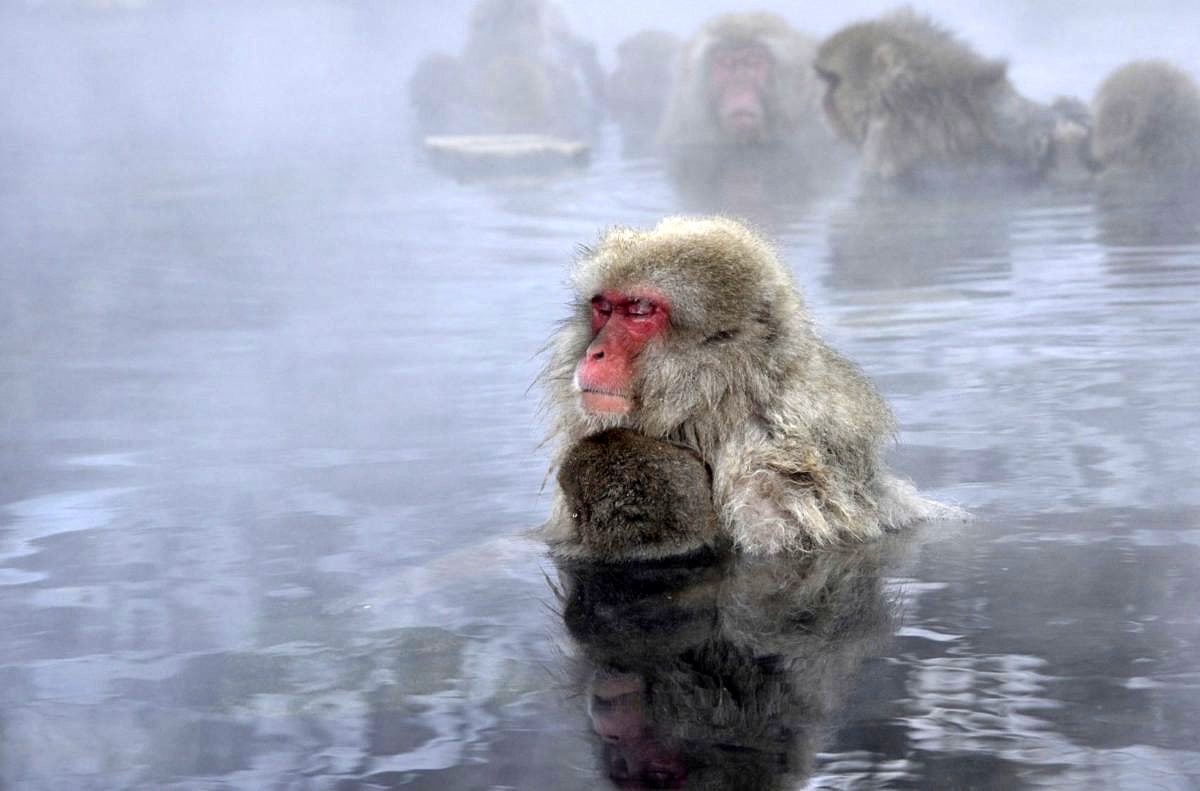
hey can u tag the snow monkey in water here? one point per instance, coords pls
(1148, 122)
(693, 332)
(923, 107)
(745, 79)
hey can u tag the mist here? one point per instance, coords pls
(237, 77)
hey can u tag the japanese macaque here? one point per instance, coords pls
(726, 674)
(636, 92)
(921, 106)
(693, 332)
(1146, 145)
(631, 496)
(1148, 122)
(745, 79)
(522, 71)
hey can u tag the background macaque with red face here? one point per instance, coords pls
(743, 131)
(745, 79)
(738, 80)
(1148, 123)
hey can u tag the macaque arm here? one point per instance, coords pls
(782, 500)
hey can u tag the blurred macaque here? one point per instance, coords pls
(1148, 122)
(1070, 161)
(722, 675)
(522, 71)
(743, 132)
(922, 107)
(745, 79)
(1146, 145)
(637, 90)
(631, 496)
(437, 92)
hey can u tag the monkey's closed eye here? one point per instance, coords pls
(640, 307)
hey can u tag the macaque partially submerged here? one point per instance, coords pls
(693, 332)
(1148, 122)
(522, 71)
(923, 107)
(745, 79)
(631, 496)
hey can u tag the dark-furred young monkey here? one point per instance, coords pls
(633, 497)
(1148, 121)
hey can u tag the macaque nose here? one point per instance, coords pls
(598, 354)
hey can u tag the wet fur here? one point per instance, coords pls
(631, 496)
(918, 103)
(791, 430)
(1148, 121)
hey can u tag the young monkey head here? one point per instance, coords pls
(632, 497)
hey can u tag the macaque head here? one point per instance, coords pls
(849, 64)
(623, 321)
(740, 78)
(900, 66)
(674, 324)
(631, 496)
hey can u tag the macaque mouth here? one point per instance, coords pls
(598, 401)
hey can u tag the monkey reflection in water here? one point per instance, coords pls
(720, 671)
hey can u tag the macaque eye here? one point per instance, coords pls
(602, 306)
(829, 77)
(640, 307)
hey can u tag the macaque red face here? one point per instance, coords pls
(622, 323)
(738, 80)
